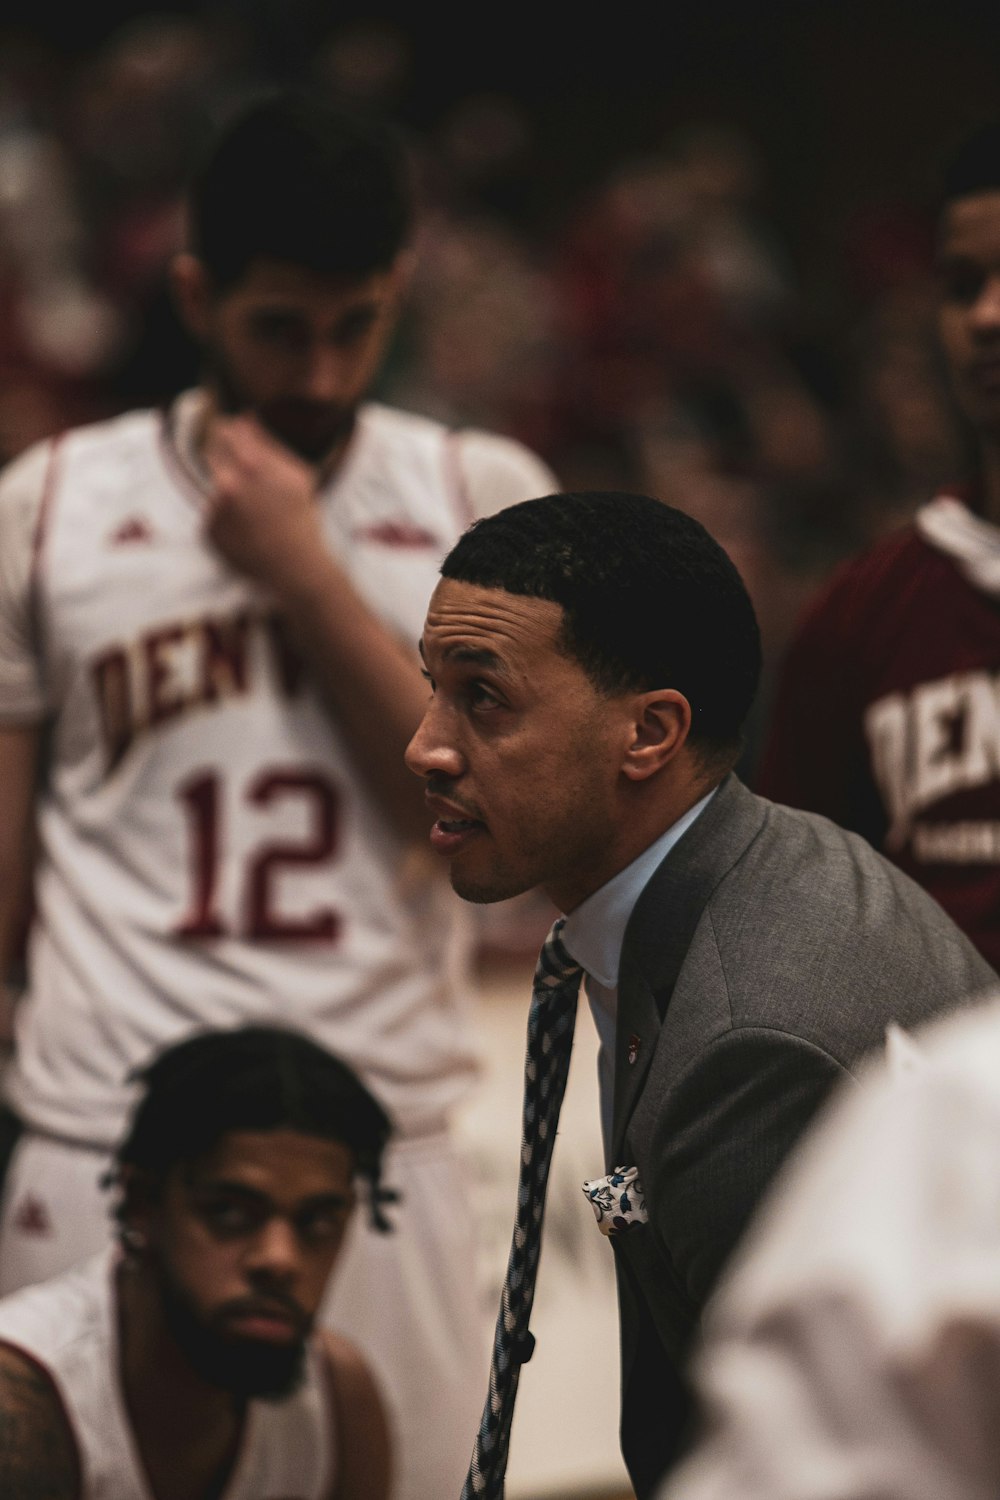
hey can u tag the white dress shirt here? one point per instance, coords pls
(594, 934)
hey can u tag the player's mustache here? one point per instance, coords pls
(266, 1305)
(437, 785)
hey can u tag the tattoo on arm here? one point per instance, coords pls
(38, 1458)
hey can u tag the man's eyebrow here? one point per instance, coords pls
(324, 1200)
(476, 656)
(956, 260)
(231, 1185)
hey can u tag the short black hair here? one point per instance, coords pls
(293, 178)
(252, 1078)
(650, 599)
(973, 164)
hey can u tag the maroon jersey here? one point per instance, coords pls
(887, 717)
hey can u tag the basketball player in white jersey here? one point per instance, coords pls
(210, 616)
(183, 1364)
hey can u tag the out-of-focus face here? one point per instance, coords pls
(520, 752)
(969, 308)
(242, 1243)
(297, 348)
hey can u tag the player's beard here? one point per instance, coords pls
(244, 1367)
(311, 429)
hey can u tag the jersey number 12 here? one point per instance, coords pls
(201, 797)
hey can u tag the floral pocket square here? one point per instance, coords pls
(617, 1200)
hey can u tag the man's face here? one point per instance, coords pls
(520, 751)
(242, 1243)
(297, 348)
(969, 309)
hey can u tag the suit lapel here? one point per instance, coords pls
(636, 1032)
(659, 935)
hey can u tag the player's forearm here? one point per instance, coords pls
(370, 681)
(15, 884)
(264, 519)
(18, 760)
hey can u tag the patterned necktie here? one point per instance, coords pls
(550, 1041)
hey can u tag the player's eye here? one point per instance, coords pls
(962, 283)
(480, 696)
(323, 1226)
(229, 1216)
(353, 328)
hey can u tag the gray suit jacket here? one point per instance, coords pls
(765, 956)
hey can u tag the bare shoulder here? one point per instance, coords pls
(362, 1429)
(38, 1457)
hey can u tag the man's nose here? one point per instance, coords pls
(274, 1251)
(323, 375)
(434, 747)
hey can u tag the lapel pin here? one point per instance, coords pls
(634, 1043)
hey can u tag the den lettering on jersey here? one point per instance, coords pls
(938, 739)
(170, 834)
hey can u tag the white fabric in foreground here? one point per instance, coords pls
(854, 1349)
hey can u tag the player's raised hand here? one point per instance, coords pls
(262, 513)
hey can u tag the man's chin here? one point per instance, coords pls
(486, 890)
(244, 1367)
(314, 445)
(252, 1368)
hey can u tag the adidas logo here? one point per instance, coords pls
(32, 1216)
(134, 529)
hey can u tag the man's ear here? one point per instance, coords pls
(660, 728)
(139, 1195)
(192, 289)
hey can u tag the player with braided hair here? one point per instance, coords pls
(184, 1361)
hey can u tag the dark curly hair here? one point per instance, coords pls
(252, 1078)
(293, 178)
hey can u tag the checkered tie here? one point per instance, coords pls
(550, 1041)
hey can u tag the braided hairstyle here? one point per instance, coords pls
(253, 1078)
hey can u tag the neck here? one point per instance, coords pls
(647, 811)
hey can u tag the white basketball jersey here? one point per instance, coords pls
(69, 1327)
(210, 855)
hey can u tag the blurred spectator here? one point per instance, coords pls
(886, 716)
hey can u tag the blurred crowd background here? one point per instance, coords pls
(688, 253)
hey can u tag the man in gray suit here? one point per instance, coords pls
(592, 658)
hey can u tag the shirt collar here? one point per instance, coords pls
(973, 543)
(595, 930)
